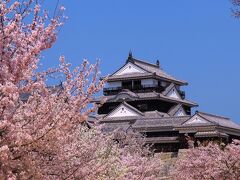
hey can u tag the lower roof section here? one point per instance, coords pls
(200, 124)
(126, 117)
(128, 95)
(210, 134)
(162, 140)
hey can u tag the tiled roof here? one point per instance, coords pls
(154, 69)
(174, 109)
(130, 76)
(168, 89)
(127, 91)
(159, 122)
(155, 114)
(151, 71)
(118, 119)
(219, 120)
(109, 127)
(150, 95)
(183, 101)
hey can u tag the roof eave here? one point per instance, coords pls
(152, 75)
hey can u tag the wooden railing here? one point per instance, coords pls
(135, 88)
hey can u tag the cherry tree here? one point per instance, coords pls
(210, 162)
(42, 136)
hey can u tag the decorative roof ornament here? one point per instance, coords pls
(130, 57)
(158, 63)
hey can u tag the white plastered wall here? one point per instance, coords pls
(114, 84)
(174, 94)
(196, 120)
(149, 82)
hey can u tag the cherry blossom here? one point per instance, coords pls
(42, 129)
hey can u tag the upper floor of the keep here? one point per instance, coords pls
(141, 77)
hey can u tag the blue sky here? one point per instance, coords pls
(197, 41)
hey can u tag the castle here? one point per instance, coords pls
(141, 97)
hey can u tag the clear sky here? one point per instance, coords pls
(197, 41)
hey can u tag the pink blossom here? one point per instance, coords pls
(42, 131)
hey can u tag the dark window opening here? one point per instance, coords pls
(142, 107)
(127, 84)
(137, 83)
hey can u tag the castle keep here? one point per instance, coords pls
(142, 97)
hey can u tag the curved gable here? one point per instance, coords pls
(129, 68)
(124, 110)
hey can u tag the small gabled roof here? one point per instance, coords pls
(137, 69)
(168, 89)
(151, 70)
(155, 114)
(124, 94)
(197, 120)
(206, 119)
(219, 120)
(174, 109)
(127, 110)
(155, 69)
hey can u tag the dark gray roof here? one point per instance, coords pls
(146, 95)
(154, 121)
(109, 127)
(130, 76)
(168, 89)
(174, 109)
(155, 69)
(155, 114)
(128, 92)
(118, 119)
(219, 120)
(146, 123)
(151, 71)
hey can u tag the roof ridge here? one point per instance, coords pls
(144, 62)
(213, 115)
(171, 117)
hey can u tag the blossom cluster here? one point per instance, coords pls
(213, 161)
(42, 132)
